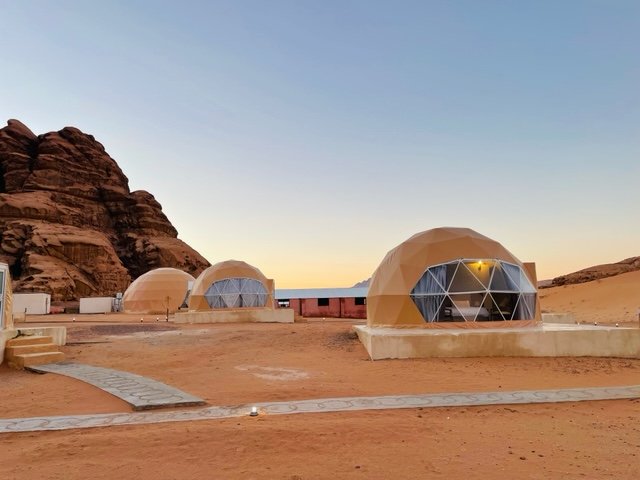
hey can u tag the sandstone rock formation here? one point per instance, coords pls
(69, 225)
(597, 272)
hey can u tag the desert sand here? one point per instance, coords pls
(245, 363)
(607, 300)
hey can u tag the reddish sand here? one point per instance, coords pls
(233, 364)
(608, 300)
(568, 441)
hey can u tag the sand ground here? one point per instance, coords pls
(245, 363)
(607, 300)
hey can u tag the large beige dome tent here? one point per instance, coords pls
(157, 291)
(231, 284)
(452, 277)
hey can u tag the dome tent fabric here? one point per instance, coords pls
(448, 276)
(231, 284)
(158, 290)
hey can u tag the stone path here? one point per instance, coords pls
(323, 405)
(140, 392)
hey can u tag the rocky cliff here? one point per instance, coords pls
(597, 272)
(69, 225)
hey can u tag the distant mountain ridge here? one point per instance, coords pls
(597, 272)
(363, 283)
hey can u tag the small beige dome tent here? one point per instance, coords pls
(157, 291)
(231, 284)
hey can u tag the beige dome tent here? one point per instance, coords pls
(452, 277)
(231, 284)
(158, 290)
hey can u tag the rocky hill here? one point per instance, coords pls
(363, 283)
(69, 225)
(597, 272)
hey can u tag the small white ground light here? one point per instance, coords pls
(254, 412)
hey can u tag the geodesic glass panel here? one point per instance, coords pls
(428, 284)
(429, 306)
(501, 281)
(474, 290)
(470, 305)
(525, 284)
(236, 293)
(465, 281)
(481, 269)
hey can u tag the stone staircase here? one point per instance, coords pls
(28, 351)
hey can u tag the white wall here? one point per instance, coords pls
(96, 305)
(34, 303)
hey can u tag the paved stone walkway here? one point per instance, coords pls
(140, 392)
(323, 405)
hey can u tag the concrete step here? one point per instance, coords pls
(14, 350)
(29, 340)
(31, 359)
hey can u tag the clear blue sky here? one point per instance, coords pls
(310, 137)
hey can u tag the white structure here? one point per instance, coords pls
(5, 296)
(6, 319)
(97, 304)
(31, 303)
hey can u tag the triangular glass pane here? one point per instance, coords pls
(427, 285)
(484, 312)
(231, 300)
(504, 305)
(451, 269)
(461, 303)
(500, 281)
(494, 311)
(530, 305)
(513, 274)
(527, 306)
(465, 281)
(525, 284)
(429, 306)
(471, 305)
(452, 314)
(262, 299)
(481, 269)
(516, 310)
(439, 273)
(249, 299)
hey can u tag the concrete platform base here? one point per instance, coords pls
(264, 315)
(4, 336)
(57, 333)
(548, 340)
